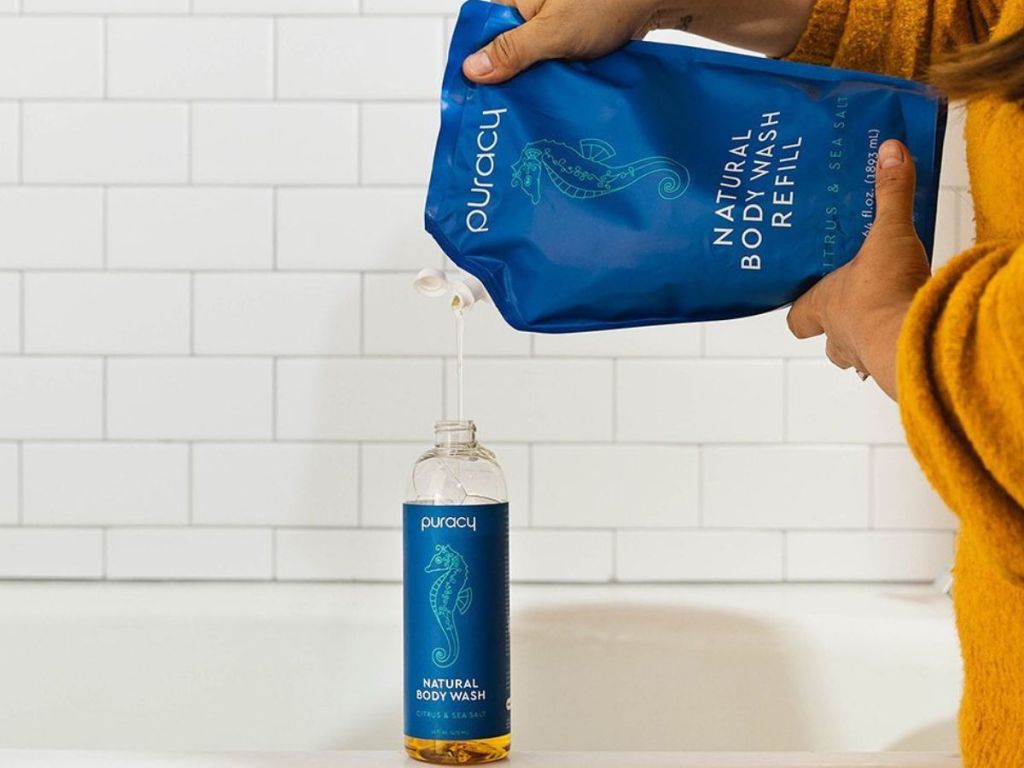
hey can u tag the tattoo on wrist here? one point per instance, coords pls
(685, 22)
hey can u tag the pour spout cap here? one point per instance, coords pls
(465, 289)
(431, 282)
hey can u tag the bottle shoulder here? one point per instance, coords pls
(475, 452)
(460, 475)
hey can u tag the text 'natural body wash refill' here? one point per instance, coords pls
(663, 183)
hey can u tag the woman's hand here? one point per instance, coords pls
(560, 29)
(861, 306)
(585, 29)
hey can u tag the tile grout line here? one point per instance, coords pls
(410, 438)
(220, 184)
(894, 532)
(230, 101)
(232, 16)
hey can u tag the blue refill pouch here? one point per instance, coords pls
(663, 183)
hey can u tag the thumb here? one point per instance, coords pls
(896, 180)
(510, 53)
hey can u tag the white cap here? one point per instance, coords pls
(431, 282)
(465, 289)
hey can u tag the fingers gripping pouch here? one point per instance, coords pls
(663, 183)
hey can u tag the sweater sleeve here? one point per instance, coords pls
(893, 37)
(961, 391)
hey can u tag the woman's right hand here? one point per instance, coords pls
(562, 29)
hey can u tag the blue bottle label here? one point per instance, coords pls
(457, 671)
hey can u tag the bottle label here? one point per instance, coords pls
(457, 671)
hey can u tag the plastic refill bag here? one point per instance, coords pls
(663, 183)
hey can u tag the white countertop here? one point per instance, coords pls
(81, 759)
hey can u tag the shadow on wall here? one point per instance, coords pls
(609, 676)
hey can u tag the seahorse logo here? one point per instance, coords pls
(586, 173)
(449, 596)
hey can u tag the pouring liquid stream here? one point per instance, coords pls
(459, 348)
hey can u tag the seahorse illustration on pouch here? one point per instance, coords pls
(585, 173)
(449, 596)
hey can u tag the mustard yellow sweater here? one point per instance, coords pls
(961, 355)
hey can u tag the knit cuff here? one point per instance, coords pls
(820, 41)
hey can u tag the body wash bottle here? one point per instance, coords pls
(455, 533)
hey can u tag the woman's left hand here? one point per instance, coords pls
(861, 306)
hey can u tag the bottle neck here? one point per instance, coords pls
(454, 434)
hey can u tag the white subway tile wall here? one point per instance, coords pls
(213, 365)
(50, 227)
(105, 484)
(10, 312)
(188, 228)
(275, 484)
(276, 314)
(62, 553)
(51, 58)
(189, 553)
(566, 556)
(641, 487)
(274, 143)
(104, 142)
(10, 483)
(10, 141)
(106, 313)
(183, 58)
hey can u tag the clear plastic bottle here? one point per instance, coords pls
(457, 672)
